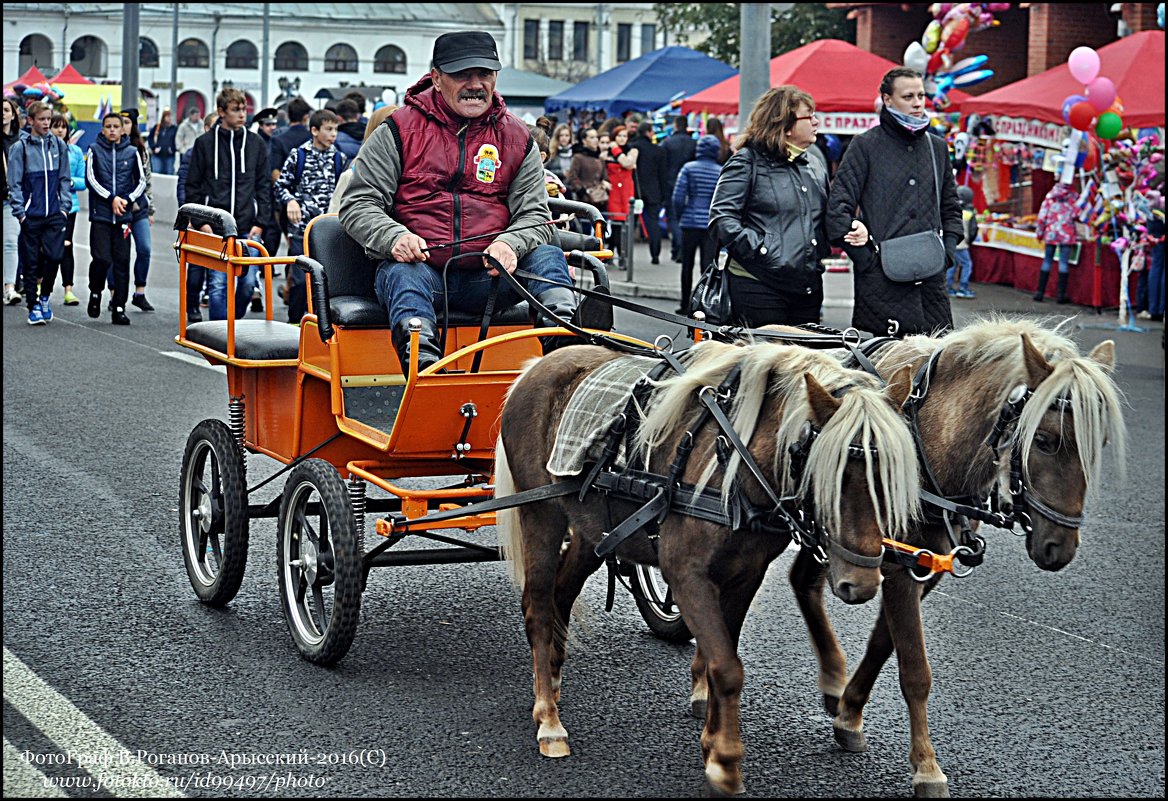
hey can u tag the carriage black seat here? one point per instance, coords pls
(352, 299)
(256, 340)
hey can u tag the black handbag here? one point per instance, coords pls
(916, 257)
(711, 295)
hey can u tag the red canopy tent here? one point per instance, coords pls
(69, 75)
(31, 76)
(1134, 63)
(840, 76)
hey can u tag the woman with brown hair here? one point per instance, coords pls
(587, 177)
(769, 211)
(714, 128)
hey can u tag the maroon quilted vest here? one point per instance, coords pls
(455, 173)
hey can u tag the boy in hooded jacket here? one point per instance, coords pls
(116, 179)
(40, 195)
(230, 170)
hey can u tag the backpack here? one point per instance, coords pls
(302, 156)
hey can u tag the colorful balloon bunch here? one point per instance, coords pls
(1098, 109)
(38, 91)
(932, 56)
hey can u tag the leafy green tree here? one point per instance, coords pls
(792, 25)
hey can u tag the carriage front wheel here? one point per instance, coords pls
(655, 602)
(318, 558)
(213, 512)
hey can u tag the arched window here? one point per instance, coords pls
(90, 56)
(147, 52)
(291, 56)
(390, 58)
(242, 55)
(193, 53)
(340, 58)
(35, 51)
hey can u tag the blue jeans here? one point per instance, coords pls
(140, 231)
(163, 165)
(244, 288)
(415, 290)
(1064, 253)
(965, 262)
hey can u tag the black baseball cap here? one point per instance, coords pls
(132, 113)
(463, 50)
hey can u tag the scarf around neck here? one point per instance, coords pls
(913, 124)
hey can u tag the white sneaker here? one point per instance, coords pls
(1144, 315)
(12, 297)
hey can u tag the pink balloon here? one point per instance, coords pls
(1101, 93)
(1084, 64)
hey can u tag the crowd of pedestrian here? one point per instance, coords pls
(767, 198)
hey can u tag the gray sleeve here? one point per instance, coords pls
(366, 204)
(527, 201)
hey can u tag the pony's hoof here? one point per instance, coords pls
(853, 741)
(831, 704)
(931, 789)
(554, 747)
(698, 709)
(710, 790)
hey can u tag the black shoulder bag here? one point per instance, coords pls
(916, 257)
(711, 294)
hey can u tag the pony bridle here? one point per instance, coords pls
(1020, 499)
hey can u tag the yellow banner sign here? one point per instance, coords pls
(1016, 240)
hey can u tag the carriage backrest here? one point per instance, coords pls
(349, 270)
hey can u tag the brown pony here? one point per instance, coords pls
(860, 470)
(1059, 437)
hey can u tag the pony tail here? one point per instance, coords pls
(507, 521)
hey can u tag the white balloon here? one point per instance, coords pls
(916, 58)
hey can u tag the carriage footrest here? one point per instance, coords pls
(375, 406)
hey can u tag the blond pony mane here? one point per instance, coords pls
(992, 345)
(865, 417)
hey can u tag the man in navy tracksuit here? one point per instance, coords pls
(116, 179)
(40, 191)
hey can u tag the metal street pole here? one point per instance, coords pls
(177, 115)
(754, 67)
(267, 60)
(130, 56)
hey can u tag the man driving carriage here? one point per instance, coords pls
(453, 163)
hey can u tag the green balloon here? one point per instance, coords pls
(1108, 125)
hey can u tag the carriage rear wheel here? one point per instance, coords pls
(318, 559)
(655, 602)
(213, 512)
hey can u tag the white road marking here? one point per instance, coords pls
(22, 779)
(74, 733)
(190, 358)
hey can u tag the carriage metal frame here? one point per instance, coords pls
(317, 399)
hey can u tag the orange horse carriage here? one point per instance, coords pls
(328, 400)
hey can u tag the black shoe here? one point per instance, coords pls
(257, 303)
(654, 261)
(94, 307)
(140, 301)
(119, 317)
(194, 316)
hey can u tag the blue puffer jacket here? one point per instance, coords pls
(77, 172)
(695, 184)
(38, 177)
(113, 170)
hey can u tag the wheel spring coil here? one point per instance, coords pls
(356, 489)
(235, 419)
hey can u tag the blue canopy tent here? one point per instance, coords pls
(644, 83)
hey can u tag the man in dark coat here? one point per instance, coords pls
(651, 185)
(886, 187)
(680, 148)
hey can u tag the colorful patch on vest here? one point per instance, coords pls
(487, 161)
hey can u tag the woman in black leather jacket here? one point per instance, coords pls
(768, 211)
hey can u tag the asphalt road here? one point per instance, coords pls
(1043, 684)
